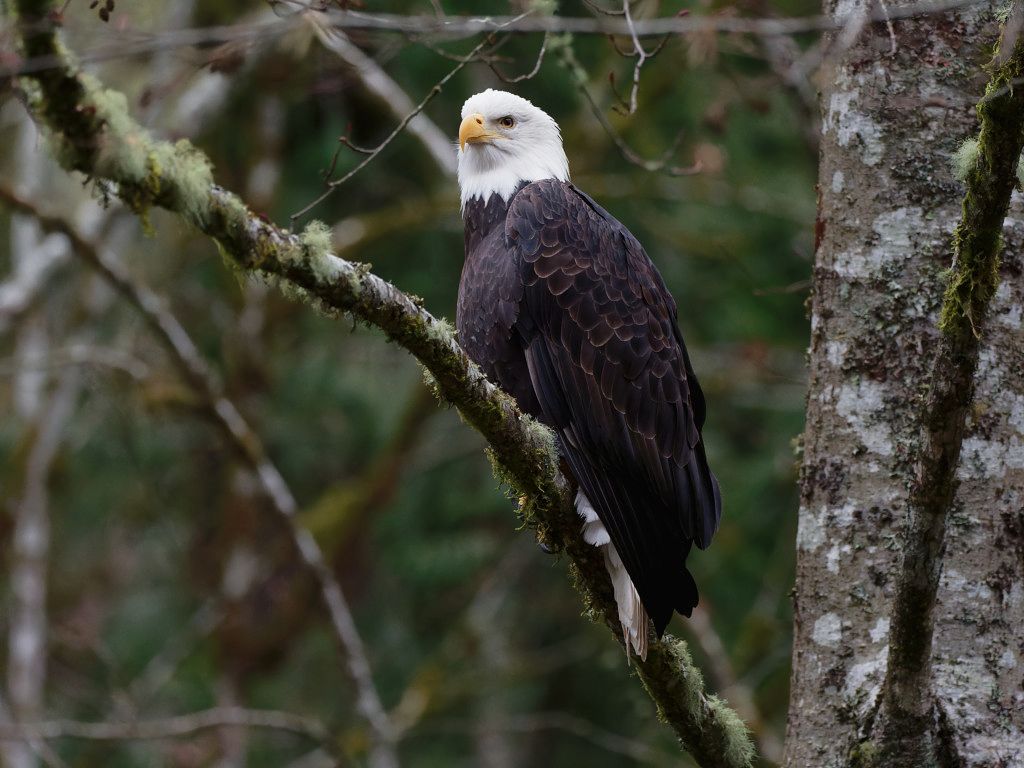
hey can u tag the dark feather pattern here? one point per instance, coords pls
(562, 307)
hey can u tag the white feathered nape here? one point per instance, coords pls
(632, 615)
(529, 151)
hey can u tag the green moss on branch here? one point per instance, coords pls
(989, 167)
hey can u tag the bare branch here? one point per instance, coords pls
(39, 747)
(529, 74)
(741, 696)
(77, 354)
(43, 416)
(169, 727)
(889, 26)
(662, 164)
(598, 9)
(566, 722)
(403, 123)
(27, 643)
(160, 669)
(247, 443)
(791, 67)
(639, 52)
(848, 36)
(380, 83)
(82, 122)
(607, 24)
(28, 278)
(460, 27)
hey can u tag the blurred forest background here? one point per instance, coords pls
(171, 587)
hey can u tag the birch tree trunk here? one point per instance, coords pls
(888, 206)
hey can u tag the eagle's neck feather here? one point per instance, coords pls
(483, 217)
(494, 170)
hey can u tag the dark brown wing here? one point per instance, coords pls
(611, 373)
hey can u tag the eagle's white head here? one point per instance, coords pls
(503, 141)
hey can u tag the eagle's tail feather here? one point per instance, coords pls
(632, 615)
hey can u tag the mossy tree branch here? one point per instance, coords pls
(905, 725)
(92, 132)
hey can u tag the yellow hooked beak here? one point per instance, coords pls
(472, 130)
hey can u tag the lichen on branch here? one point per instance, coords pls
(92, 132)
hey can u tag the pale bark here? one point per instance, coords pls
(31, 253)
(889, 204)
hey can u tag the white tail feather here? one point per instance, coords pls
(632, 615)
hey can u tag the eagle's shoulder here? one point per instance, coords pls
(593, 292)
(551, 200)
(551, 222)
(532, 209)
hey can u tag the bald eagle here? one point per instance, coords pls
(562, 307)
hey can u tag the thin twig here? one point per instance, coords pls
(566, 722)
(168, 727)
(371, 155)
(889, 27)
(601, 9)
(467, 58)
(460, 27)
(639, 52)
(160, 669)
(81, 355)
(529, 74)
(438, 10)
(605, 24)
(381, 84)
(10, 758)
(403, 123)
(847, 38)
(662, 164)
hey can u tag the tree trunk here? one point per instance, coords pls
(888, 206)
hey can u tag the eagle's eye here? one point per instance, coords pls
(507, 121)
